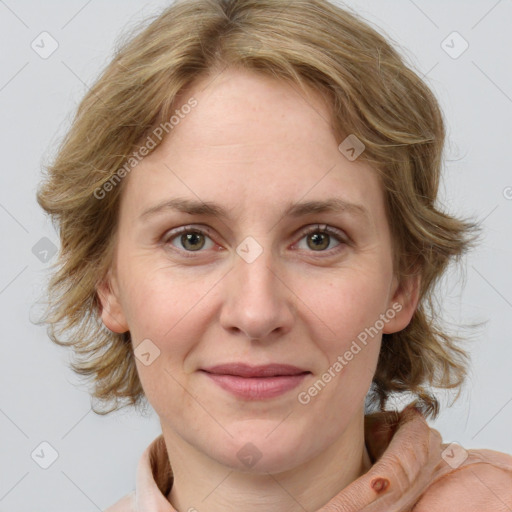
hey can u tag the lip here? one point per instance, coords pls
(246, 370)
(256, 382)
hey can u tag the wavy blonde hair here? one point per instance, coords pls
(373, 94)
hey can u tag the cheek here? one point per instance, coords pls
(345, 304)
(158, 299)
(171, 309)
(344, 321)
(158, 310)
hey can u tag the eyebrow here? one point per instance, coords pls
(210, 209)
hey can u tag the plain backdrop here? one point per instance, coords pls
(42, 401)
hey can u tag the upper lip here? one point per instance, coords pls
(246, 370)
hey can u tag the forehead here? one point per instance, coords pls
(243, 107)
(251, 139)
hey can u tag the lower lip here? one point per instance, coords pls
(257, 388)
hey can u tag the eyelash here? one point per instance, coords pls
(318, 228)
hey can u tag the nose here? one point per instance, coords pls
(257, 302)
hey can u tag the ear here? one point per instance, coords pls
(404, 301)
(111, 310)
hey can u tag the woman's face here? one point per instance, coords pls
(251, 269)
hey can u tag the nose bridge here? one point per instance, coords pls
(256, 301)
(256, 272)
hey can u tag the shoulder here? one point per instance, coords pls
(482, 483)
(125, 504)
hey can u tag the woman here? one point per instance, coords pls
(250, 241)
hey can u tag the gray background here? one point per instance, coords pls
(40, 398)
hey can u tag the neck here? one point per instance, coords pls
(201, 483)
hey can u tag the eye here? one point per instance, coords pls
(189, 239)
(319, 238)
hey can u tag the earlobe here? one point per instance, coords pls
(404, 303)
(112, 314)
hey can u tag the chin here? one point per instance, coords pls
(255, 451)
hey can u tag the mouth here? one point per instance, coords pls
(248, 371)
(256, 382)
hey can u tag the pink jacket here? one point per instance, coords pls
(413, 471)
